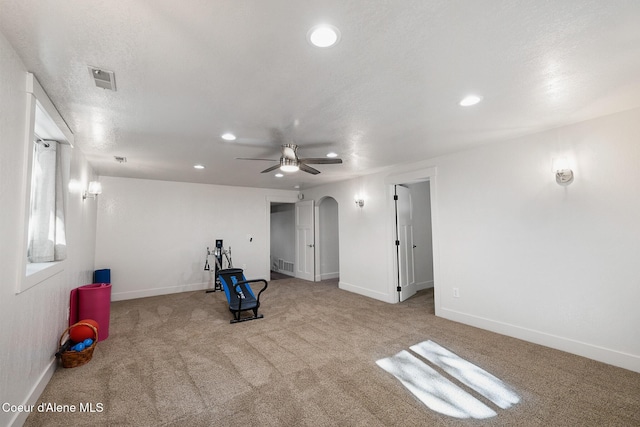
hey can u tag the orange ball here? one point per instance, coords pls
(82, 332)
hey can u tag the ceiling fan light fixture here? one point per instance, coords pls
(290, 162)
(289, 168)
(228, 136)
(332, 154)
(289, 165)
(323, 35)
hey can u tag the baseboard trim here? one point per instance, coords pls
(32, 398)
(368, 292)
(424, 285)
(327, 276)
(121, 296)
(601, 354)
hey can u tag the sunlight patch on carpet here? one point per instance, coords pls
(467, 373)
(434, 390)
(441, 394)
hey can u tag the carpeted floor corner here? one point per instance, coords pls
(175, 360)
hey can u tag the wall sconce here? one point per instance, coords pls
(94, 189)
(359, 201)
(564, 175)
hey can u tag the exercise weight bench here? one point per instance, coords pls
(239, 293)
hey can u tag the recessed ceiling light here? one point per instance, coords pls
(198, 166)
(323, 35)
(279, 175)
(332, 154)
(228, 136)
(470, 100)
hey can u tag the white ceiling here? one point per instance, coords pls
(387, 94)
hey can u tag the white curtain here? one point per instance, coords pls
(47, 240)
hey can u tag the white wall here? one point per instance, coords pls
(32, 321)
(364, 235)
(550, 264)
(153, 235)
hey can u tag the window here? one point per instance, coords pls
(46, 241)
(47, 163)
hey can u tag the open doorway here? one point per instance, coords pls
(327, 242)
(422, 235)
(282, 240)
(414, 242)
(283, 243)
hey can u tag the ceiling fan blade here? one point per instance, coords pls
(308, 169)
(321, 161)
(254, 158)
(272, 168)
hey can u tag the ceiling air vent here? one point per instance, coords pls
(120, 159)
(103, 78)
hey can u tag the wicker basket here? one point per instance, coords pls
(73, 359)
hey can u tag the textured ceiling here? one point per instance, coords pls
(387, 94)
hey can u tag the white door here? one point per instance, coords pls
(404, 220)
(305, 241)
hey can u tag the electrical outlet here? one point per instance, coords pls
(456, 293)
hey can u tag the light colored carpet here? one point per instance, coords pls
(175, 360)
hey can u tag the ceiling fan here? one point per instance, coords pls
(290, 162)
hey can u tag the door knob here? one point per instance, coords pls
(414, 246)
(311, 245)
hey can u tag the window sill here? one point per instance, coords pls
(38, 272)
